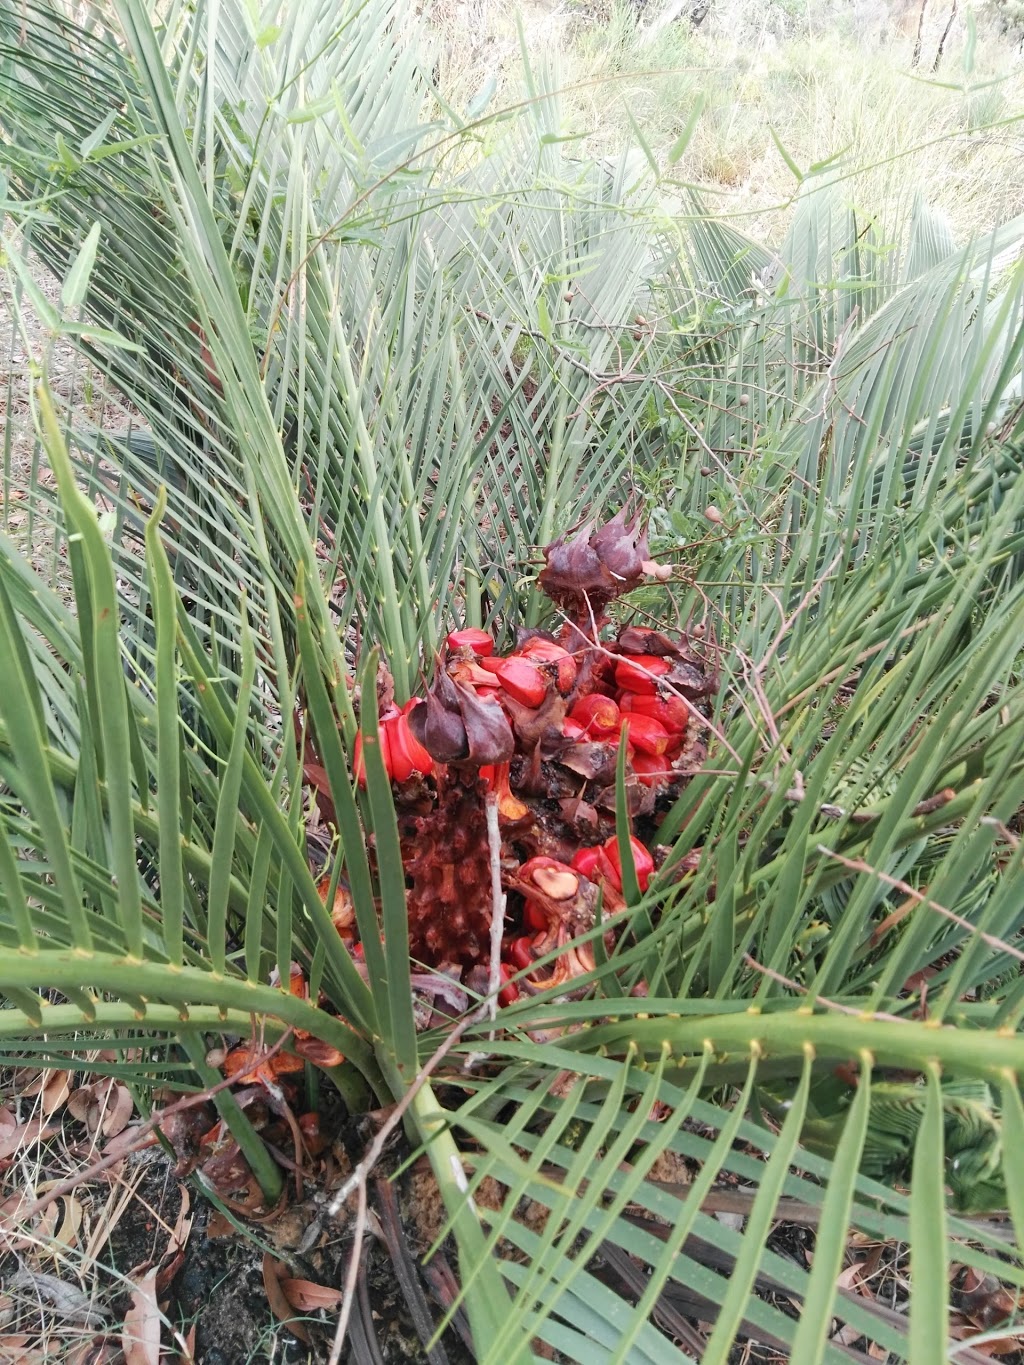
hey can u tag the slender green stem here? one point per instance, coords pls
(261, 1163)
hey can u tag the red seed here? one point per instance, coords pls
(522, 680)
(671, 711)
(359, 767)
(640, 673)
(421, 760)
(408, 755)
(533, 916)
(519, 952)
(653, 770)
(646, 735)
(585, 860)
(598, 715)
(642, 861)
(536, 647)
(401, 763)
(571, 729)
(478, 641)
(543, 651)
(509, 993)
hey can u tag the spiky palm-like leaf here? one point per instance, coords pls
(421, 356)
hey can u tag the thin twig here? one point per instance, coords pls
(818, 999)
(362, 1171)
(351, 1276)
(858, 865)
(498, 902)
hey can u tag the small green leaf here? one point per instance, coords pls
(543, 318)
(482, 98)
(97, 137)
(683, 140)
(87, 332)
(309, 113)
(798, 173)
(112, 148)
(816, 167)
(68, 160)
(76, 286)
(44, 309)
(268, 36)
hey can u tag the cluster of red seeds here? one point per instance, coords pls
(537, 735)
(631, 711)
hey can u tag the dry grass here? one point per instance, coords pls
(832, 81)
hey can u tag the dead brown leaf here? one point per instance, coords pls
(59, 1223)
(10, 1215)
(14, 1351)
(279, 1304)
(219, 1227)
(104, 1106)
(185, 1131)
(119, 1113)
(307, 1297)
(182, 1224)
(227, 1169)
(851, 1276)
(26, 1135)
(52, 1087)
(983, 1300)
(174, 1255)
(63, 1299)
(140, 1336)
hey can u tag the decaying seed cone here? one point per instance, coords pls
(539, 732)
(437, 722)
(455, 726)
(584, 572)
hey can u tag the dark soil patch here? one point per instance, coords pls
(211, 1291)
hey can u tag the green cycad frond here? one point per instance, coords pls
(973, 1138)
(627, 1158)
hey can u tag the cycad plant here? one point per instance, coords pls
(377, 353)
